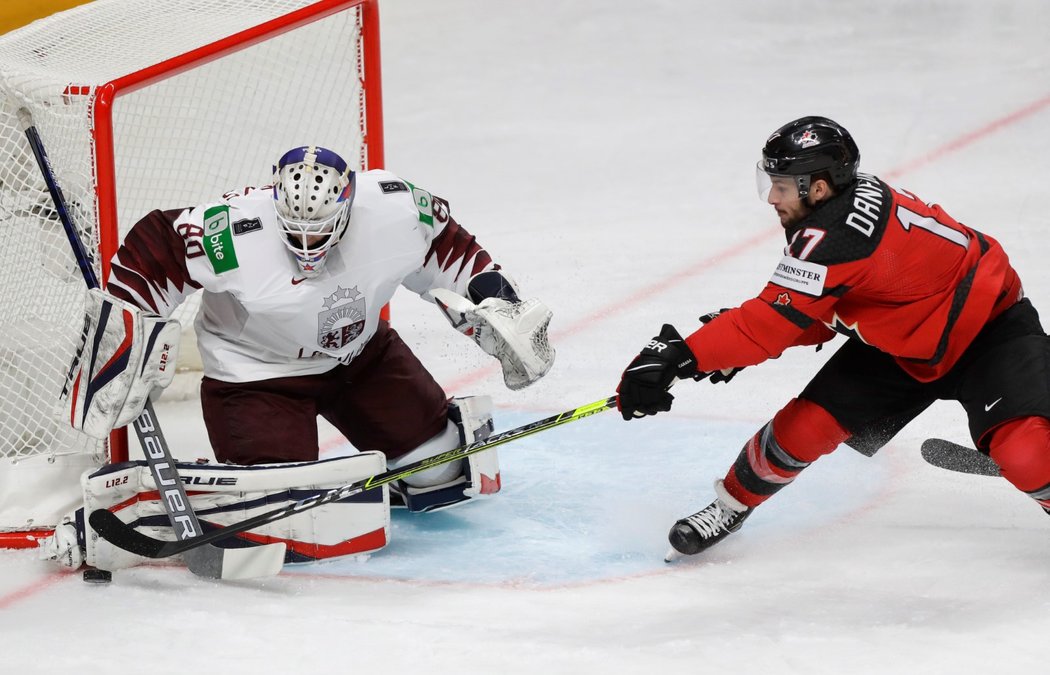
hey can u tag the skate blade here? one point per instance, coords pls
(673, 555)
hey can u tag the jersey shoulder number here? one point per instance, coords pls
(847, 228)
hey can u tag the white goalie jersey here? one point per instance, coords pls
(259, 318)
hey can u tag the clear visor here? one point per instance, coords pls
(775, 188)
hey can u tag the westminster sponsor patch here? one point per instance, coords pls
(218, 240)
(800, 275)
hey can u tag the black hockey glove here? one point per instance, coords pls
(718, 375)
(643, 386)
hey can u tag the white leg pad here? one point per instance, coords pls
(223, 494)
(476, 415)
(471, 419)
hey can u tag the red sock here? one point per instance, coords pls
(1021, 448)
(800, 433)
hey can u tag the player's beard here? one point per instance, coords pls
(793, 216)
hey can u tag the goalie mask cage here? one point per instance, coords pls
(144, 104)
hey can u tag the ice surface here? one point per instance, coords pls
(603, 150)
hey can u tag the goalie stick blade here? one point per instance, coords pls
(954, 457)
(112, 529)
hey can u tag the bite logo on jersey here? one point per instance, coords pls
(343, 318)
(218, 239)
(424, 204)
(800, 275)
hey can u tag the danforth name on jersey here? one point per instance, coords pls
(877, 264)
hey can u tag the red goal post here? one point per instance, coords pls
(145, 104)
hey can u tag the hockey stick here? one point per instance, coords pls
(119, 533)
(211, 562)
(954, 457)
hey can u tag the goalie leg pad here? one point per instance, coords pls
(222, 495)
(470, 420)
(125, 353)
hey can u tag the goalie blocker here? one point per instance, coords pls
(124, 355)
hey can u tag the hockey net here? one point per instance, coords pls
(142, 105)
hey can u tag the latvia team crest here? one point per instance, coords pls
(343, 319)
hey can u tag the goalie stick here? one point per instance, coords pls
(119, 533)
(954, 457)
(210, 561)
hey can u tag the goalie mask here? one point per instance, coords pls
(313, 189)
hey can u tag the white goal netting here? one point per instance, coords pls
(145, 104)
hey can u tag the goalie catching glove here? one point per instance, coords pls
(125, 354)
(515, 332)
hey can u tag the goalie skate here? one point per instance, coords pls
(708, 526)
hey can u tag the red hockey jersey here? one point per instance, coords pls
(879, 265)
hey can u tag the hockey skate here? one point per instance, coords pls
(708, 526)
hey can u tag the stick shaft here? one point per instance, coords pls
(120, 534)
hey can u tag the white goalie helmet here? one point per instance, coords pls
(313, 189)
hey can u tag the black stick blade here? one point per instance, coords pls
(954, 457)
(117, 532)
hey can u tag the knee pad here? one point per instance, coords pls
(469, 421)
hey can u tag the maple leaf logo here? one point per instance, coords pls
(783, 299)
(840, 326)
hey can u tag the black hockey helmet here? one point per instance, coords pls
(810, 146)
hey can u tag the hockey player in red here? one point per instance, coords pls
(932, 309)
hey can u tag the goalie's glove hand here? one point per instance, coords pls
(515, 333)
(644, 385)
(718, 375)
